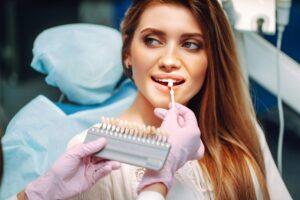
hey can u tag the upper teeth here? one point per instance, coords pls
(167, 80)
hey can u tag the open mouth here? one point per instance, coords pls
(165, 80)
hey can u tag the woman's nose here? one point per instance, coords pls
(169, 62)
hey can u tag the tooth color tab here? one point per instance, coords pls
(170, 83)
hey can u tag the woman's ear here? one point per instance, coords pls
(128, 66)
(124, 38)
(127, 62)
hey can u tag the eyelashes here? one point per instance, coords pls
(190, 45)
(150, 41)
(193, 45)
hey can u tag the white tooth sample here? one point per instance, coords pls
(167, 80)
(170, 83)
(170, 86)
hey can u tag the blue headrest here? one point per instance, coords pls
(82, 60)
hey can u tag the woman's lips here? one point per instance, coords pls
(161, 82)
(163, 79)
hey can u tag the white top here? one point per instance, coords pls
(150, 195)
(188, 182)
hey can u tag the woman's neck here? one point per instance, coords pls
(141, 111)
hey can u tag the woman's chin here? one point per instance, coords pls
(160, 103)
(164, 102)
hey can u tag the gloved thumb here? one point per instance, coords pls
(90, 148)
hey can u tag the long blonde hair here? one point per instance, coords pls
(223, 105)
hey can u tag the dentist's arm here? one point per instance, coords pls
(184, 137)
(74, 172)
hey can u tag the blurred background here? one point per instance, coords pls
(22, 20)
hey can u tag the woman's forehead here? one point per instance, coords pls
(170, 18)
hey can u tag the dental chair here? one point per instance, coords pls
(84, 62)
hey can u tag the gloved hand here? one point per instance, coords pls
(74, 172)
(184, 137)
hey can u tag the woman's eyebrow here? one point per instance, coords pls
(189, 35)
(161, 33)
(154, 31)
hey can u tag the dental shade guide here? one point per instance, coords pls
(131, 143)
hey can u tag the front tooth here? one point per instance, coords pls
(167, 80)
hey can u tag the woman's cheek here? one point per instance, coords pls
(187, 95)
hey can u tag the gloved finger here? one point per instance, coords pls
(97, 159)
(94, 173)
(181, 121)
(160, 112)
(200, 152)
(90, 148)
(114, 164)
(101, 171)
(105, 170)
(171, 118)
(187, 114)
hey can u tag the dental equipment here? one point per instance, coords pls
(131, 143)
(170, 86)
(258, 15)
(251, 15)
(283, 12)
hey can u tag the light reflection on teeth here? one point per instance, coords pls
(167, 80)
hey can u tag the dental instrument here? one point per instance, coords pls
(131, 143)
(170, 86)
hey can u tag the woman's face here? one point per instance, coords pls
(167, 45)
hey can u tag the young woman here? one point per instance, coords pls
(191, 42)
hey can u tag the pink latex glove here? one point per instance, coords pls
(74, 172)
(184, 137)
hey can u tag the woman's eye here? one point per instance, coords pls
(192, 45)
(151, 41)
